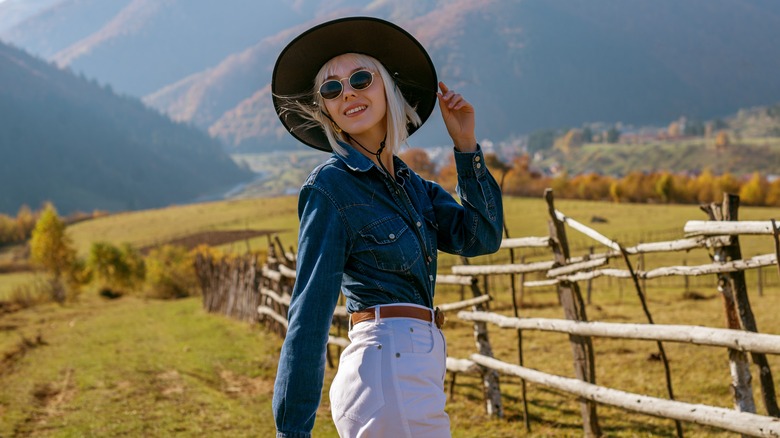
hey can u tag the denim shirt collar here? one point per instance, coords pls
(358, 162)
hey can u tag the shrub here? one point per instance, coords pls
(170, 273)
(116, 270)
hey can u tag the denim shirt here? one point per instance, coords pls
(376, 241)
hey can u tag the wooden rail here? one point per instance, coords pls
(723, 418)
(716, 337)
(230, 293)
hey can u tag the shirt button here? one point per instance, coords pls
(477, 158)
(392, 236)
(479, 166)
(419, 224)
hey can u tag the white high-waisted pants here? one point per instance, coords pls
(390, 381)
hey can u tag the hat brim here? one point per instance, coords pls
(401, 54)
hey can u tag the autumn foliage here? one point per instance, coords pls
(518, 178)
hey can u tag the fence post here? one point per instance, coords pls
(490, 383)
(776, 236)
(590, 280)
(734, 289)
(515, 308)
(574, 309)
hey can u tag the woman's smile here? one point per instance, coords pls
(355, 110)
(360, 113)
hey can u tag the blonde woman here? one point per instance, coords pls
(371, 228)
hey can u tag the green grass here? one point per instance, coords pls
(138, 367)
(10, 282)
(133, 367)
(151, 227)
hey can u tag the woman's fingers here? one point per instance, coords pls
(450, 99)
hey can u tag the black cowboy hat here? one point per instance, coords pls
(401, 54)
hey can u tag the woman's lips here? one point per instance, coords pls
(354, 110)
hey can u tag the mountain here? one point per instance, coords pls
(13, 12)
(139, 46)
(525, 65)
(70, 141)
(60, 24)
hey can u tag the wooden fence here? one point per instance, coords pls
(234, 288)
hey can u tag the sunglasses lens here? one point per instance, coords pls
(330, 89)
(360, 80)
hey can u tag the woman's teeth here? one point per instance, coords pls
(356, 109)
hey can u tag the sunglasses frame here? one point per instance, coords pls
(371, 82)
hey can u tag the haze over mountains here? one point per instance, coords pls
(525, 64)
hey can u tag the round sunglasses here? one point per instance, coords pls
(359, 80)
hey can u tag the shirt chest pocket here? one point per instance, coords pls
(391, 244)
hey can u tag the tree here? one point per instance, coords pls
(541, 140)
(613, 135)
(52, 250)
(497, 167)
(587, 135)
(754, 191)
(727, 183)
(170, 273)
(722, 140)
(694, 128)
(673, 130)
(25, 222)
(7, 229)
(569, 142)
(664, 187)
(117, 269)
(773, 193)
(420, 162)
(615, 192)
(705, 187)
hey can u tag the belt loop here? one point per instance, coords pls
(377, 314)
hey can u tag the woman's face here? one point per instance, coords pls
(360, 113)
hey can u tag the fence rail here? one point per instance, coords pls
(716, 337)
(231, 288)
(723, 418)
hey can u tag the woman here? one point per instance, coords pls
(371, 227)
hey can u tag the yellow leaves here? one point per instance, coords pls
(50, 246)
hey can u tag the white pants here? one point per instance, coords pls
(390, 381)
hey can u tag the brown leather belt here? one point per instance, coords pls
(398, 312)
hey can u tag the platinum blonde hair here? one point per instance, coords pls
(399, 112)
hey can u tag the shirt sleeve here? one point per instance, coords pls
(322, 249)
(475, 226)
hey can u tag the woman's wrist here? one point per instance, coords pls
(466, 145)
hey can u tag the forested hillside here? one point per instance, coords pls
(526, 65)
(77, 144)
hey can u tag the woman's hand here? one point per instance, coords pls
(458, 116)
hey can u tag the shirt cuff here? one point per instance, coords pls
(470, 164)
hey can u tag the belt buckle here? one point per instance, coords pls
(438, 317)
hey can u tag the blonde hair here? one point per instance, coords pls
(399, 112)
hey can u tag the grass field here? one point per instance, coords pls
(134, 367)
